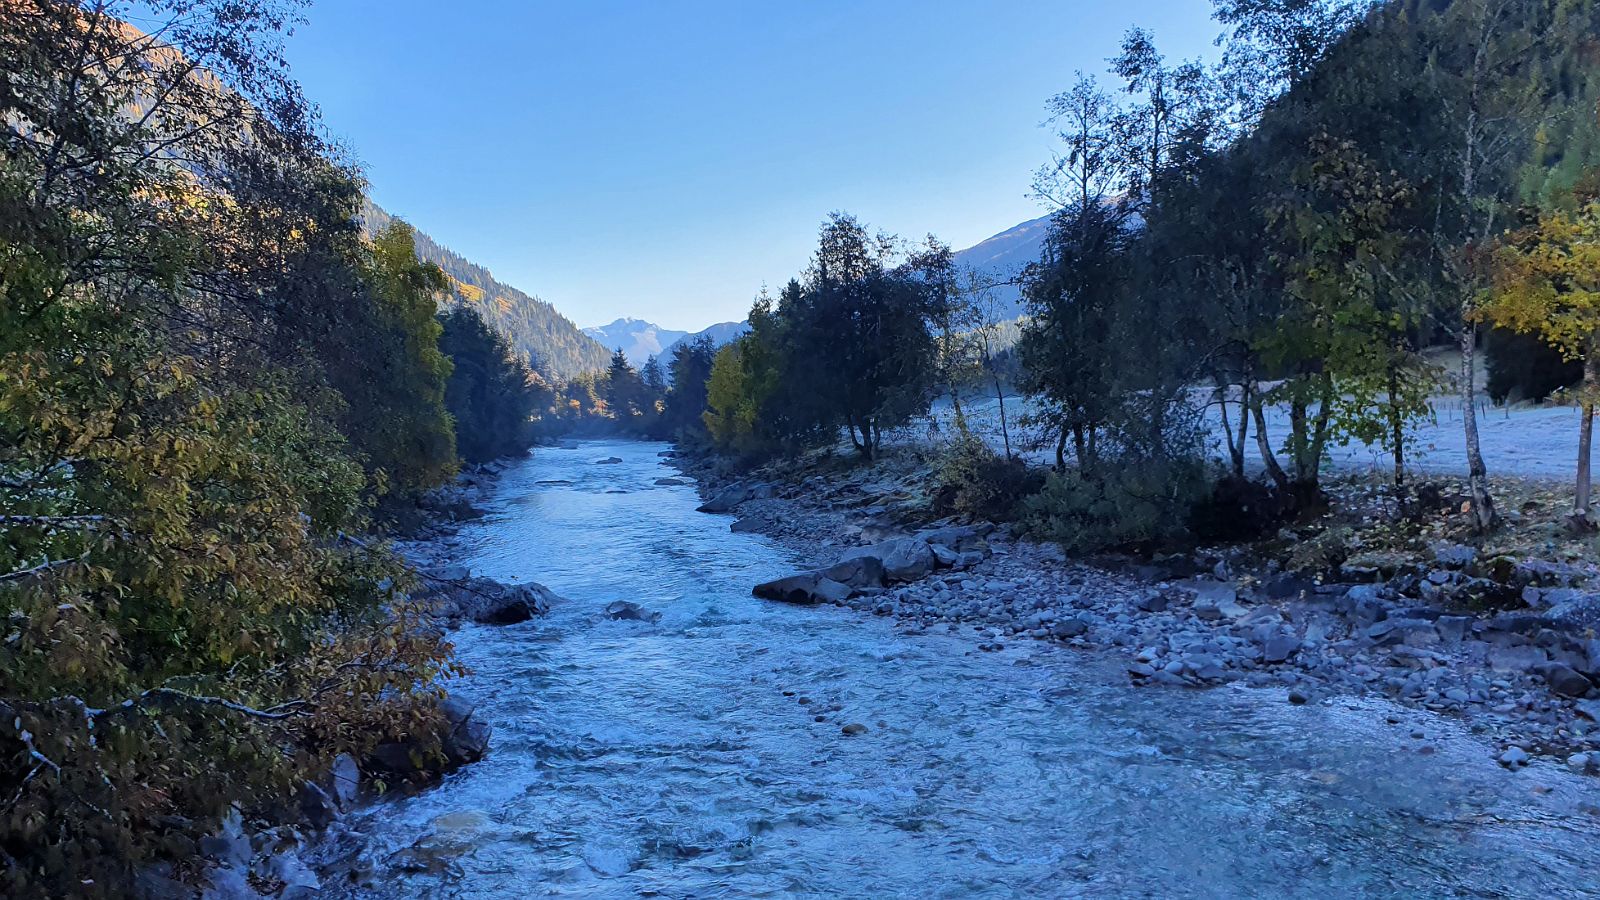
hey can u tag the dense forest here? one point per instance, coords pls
(554, 347)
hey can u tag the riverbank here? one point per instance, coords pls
(319, 847)
(1408, 626)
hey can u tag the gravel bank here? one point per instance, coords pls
(1524, 681)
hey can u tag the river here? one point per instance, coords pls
(703, 755)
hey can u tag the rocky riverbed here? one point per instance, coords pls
(661, 732)
(1524, 680)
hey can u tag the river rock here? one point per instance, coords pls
(1453, 629)
(1454, 556)
(317, 808)
(908, 559)
(448, 573)
(344, 780)
(468, 738)
(1516, 659)
(1565, 681)
(1591, 657)
(490, 602)
(805, 588)
(1279, 648)
(1581, 609)
(298, 880)
(902, 559)
(672, 482)
(958, 538)
(608, 461)
(459, 738)
(1514, 758)
(628, 611)
(854, 728)
(726, 500)
(1544, 573)
(1069, 628)
(1216, 601)
(856, 571)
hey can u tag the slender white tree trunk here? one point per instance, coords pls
(1477, 474)
(1591, 379)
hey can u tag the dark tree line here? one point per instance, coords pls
(495, 399)
(846, 346)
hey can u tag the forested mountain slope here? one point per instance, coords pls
(555, 346)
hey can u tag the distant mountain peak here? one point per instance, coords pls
(639, 340)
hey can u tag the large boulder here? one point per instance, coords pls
(805, 588)
(908, 560)
(958, 538)
(1564, 680)
(903, 559)
(457, 738)
(726, 500)
(344, 780)
(456, 595)
(857, 571)
(1575, 609)
(468, 738)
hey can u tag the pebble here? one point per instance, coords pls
(1514, 758)
(854, 728)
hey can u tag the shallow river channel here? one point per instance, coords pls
(703, 755)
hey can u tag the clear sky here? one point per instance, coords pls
(666, 159)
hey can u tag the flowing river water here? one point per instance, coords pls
(702, 755)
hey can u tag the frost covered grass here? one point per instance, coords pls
(1537, 442)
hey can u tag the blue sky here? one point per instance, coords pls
(666, 159)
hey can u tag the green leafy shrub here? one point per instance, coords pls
(970, 479)
(1117, 505)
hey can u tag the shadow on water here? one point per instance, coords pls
(703, 755)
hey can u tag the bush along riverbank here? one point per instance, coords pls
(306, 845)
(1355, 600)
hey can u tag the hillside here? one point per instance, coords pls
(555, 346)
(1004, 255)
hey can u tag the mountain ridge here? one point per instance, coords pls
(555, 346)
(1004, 255)
(637, 338)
